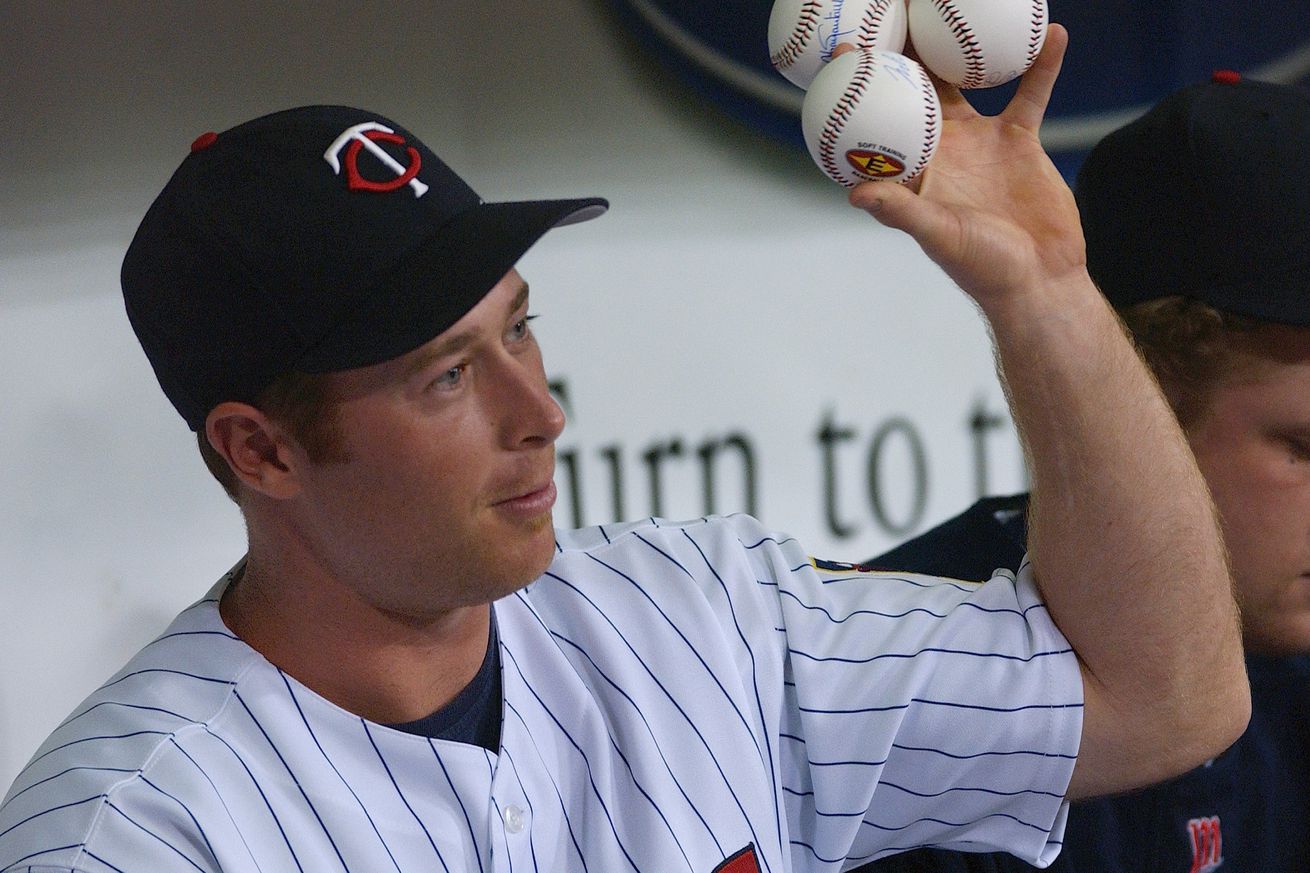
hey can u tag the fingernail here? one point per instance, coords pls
(868, 204)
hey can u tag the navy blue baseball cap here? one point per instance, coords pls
(313, 240)
(1206, 196)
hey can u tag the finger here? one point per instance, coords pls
(841, 49)
(1028, 106)
(909, 50)
(954, 104)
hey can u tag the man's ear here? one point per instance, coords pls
(255, 448)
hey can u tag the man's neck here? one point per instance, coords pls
(385, 667)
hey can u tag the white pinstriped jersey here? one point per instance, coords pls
(673, 694)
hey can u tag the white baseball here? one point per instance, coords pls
(803, 33)
(871, 115)
(978, 43)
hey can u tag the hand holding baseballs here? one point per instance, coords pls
(876, 116)
(992, 210)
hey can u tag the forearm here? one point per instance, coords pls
(1123, 540)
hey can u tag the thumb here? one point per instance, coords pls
(898, 207)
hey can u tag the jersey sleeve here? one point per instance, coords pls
(923, 711)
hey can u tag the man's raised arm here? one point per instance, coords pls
(1123, 538)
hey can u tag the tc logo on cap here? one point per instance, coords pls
(366, 136)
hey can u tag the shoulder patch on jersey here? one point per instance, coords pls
(743, 861)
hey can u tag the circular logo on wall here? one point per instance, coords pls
(1122, 58)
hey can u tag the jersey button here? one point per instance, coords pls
(513, 819)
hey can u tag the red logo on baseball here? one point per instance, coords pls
(877, 165)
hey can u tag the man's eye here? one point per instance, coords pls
(519, 329)
(450, 378)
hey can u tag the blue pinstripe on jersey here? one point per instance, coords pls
(291, 694)
(49, 811)
(955, 788)
(918, 610)
(96, 857)
(267, 805)
(463, 809)
(641, 664)
(401, 794)
(618, 751)
(637, 713)
(94, 739)
(70, 770)
(564, 812)
(217, 794)
(582, 753)
(709, 673)
(200, 829)
(109, 804)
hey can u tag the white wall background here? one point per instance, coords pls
(729, 290)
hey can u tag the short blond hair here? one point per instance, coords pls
(1191, 347)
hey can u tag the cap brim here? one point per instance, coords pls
(435, 286)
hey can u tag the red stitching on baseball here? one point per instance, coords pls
(807, 24)
(1038, 29)
(976, 69)
(872, 22)
(932, 128)
(841, 113)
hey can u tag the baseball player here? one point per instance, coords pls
(1197, 218)
(410, 669)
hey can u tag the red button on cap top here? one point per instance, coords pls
(1226, 77)
(204, 141)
